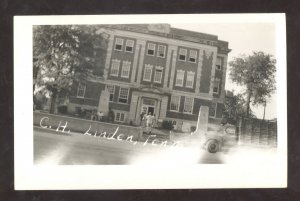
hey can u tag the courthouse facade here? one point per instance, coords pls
(156, 69)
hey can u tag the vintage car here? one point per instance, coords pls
(217, 138)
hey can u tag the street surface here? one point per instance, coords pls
(51, 147)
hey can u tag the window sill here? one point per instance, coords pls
(119, 50)
(129, 51)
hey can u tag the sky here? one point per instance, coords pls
(243, 38)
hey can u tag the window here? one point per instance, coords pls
(161, 51)
(193, 56)
(216, 86)
(119, 44)
(125, 69)
(151, 49)
(182, 54)
(123, 95)
(179, 78)
(190, 79)
(120, 117)
(81, 90)
(213, 109)
(158, 74)
(174, 103)
(129, 46)
(174, 123)
(218, 63)
(188, 105)
(114, 71)
(147, 73)
(111, 90)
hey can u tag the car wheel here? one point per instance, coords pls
(212, 146)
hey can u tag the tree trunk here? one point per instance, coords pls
(248, 102)
(53, 102)
(265, 104)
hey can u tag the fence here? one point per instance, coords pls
(257, 132)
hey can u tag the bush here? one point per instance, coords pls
(167, 125)
(62, 109)
(193, 128)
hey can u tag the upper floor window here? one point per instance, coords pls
(161, 51)
(182, 54)
(111, 90)
(125, 69)
(216, 87)
(147, 72)
(151, 49)
(119, 44)
(123, 95)
(188, 105)
(174, 103)
(129, 46)
(158, 74)
(81, 90)
(114, 71)
(218, 64)
(193, 56)
(190, 79)
(179, 78)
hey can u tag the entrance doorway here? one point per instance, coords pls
(148, 106)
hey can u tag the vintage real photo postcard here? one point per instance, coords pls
(150, 101)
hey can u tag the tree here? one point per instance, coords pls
(63, 54)
(234, 107)
(256, 73)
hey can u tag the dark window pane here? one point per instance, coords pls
(118, 47)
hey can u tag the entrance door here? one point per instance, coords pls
(148, 105)
(150, 110)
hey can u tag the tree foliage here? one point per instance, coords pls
(234, 107)
(256, 73)
(63, 54)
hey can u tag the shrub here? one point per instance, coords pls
(62, 109)
(193, 128)
(167, 125)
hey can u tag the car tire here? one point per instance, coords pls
(212, 146)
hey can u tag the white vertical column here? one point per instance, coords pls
(135, 61)
(224, 68)
(108, 55)
(199, 71)
(141, 60)
(212, 75)
(167, 67)
(174, 59)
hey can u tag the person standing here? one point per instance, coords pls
(100, 115)
(143, 117)
(149, 122)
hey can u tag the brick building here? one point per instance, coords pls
(155, 68)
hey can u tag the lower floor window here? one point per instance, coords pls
(173, 122)
(213, 109)
(120, 117)
(188, 105)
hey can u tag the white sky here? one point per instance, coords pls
(243, 38)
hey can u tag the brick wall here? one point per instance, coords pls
(206, 72)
